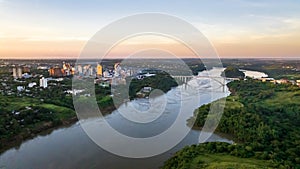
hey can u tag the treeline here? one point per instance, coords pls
(274, 68)
(264, 120)
(215, 155)
(162, 81)
(233, 72)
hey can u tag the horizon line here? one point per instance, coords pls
(119, 58)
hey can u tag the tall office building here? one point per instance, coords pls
(56, 72)
(67, 69)
(19, 72)
(91, 71)
(99, 70)
(15, 73)
(86, 70)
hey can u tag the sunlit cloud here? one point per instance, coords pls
(60, 38)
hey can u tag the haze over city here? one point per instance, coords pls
(36, 29)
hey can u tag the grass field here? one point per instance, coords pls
(220, 161)
(284, 98)
(62, 112)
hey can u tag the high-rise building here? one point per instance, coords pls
(116, 66)
(43, 82)
(67, 69)
(15, 73)
(67, 72)
(79, 69)
(72, 70)
(99, 70)
(19, 72)
(86, 71)
(117, 70)
(64, 66)
(56, 72)
(91, 71)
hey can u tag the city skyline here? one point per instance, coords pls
(237, 28)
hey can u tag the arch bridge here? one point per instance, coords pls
(219, 79)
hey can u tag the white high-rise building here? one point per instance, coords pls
(79, 69)
(14, 72)
(19, 73)
(91, 71)
(43, 82)
(117, 70)
(86, 70)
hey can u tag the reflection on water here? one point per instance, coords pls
(71, 147)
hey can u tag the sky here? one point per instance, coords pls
(236, 28)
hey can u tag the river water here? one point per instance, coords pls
(70, 147)
(254, 74)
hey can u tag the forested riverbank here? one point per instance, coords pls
(25, 115)
(264, 120)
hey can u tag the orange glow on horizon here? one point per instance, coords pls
(264, 47)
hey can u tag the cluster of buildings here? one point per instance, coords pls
(280, 81)
(103, 76)
(89, 70)
(66, 70)
(99, 72)
(21, 72)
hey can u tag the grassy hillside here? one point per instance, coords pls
(223, 161)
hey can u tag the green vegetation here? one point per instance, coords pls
(278, 69)
(21, 118)
(195, 65)
(23, 114)
(233, 72)
(212, 156)
(223, 161)
(162, 81)
(264, 120)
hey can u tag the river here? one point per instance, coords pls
(70, 147)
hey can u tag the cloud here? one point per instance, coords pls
(59, 38)
(225, 33)
(252, 3)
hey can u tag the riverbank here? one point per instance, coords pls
(49, 151)
(263, 117)
(44, 128)
(228, 136)
(62, 116)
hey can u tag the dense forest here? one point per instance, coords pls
(233, 72)
(264, 121)
(161, 81)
